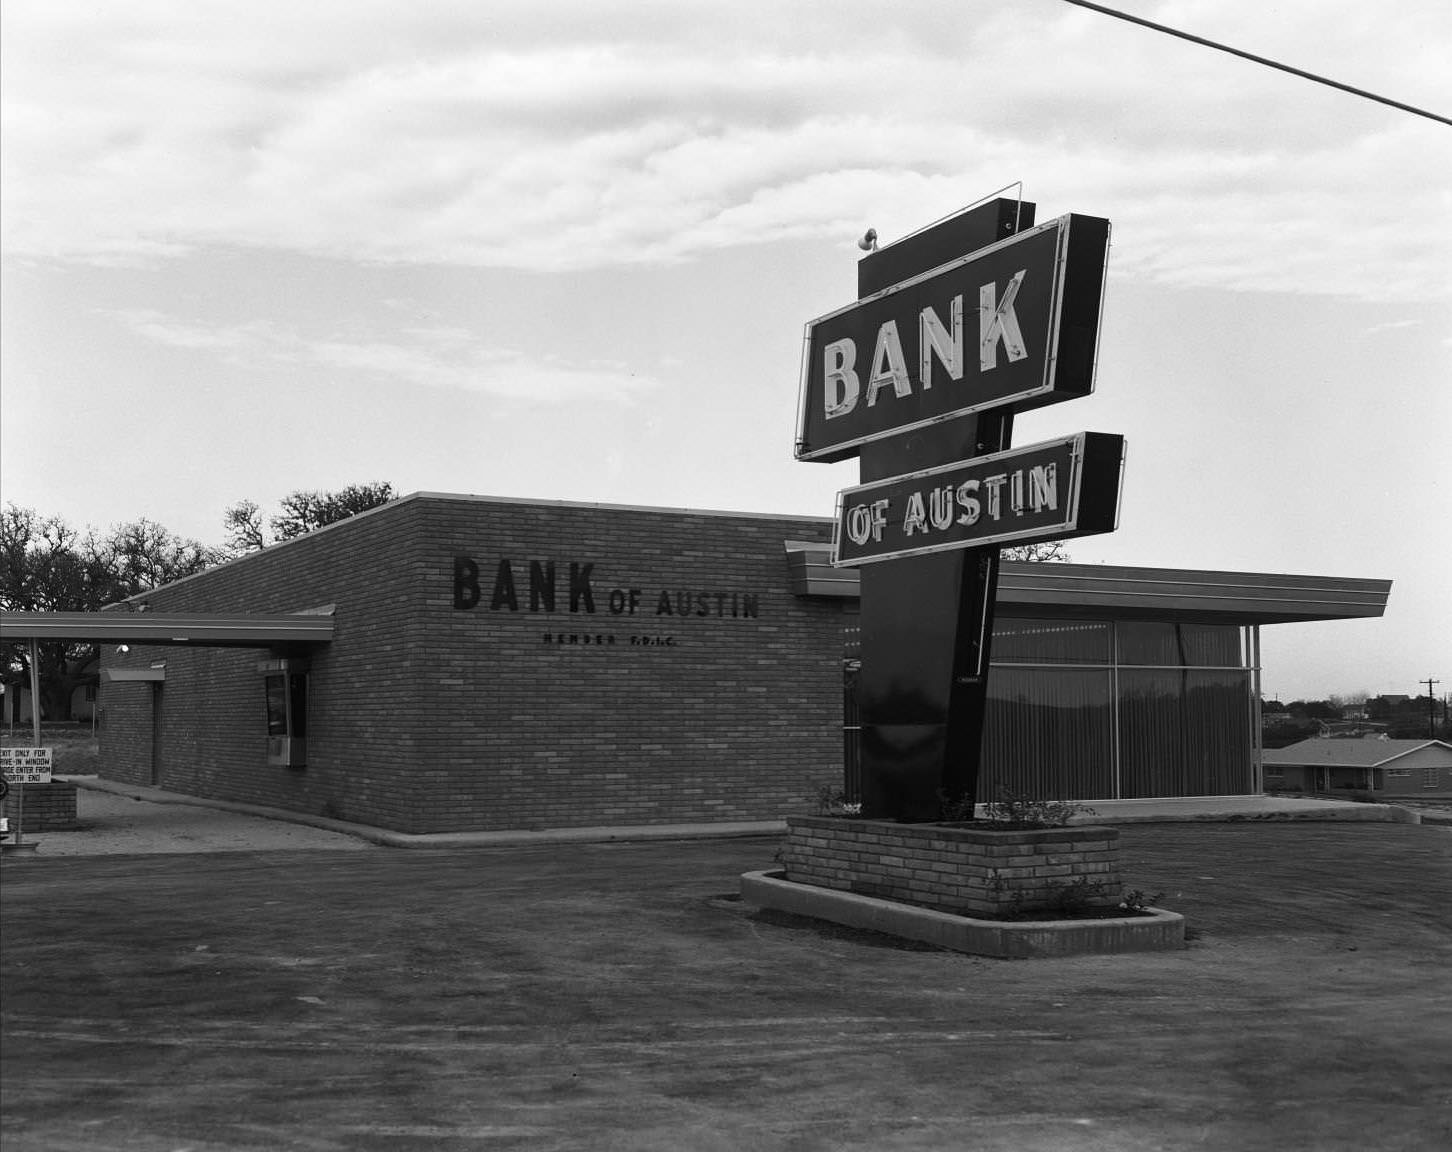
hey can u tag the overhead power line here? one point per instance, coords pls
(1260, 60)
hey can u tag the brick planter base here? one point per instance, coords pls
(48, 807)
(967, 871)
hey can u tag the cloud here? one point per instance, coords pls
(464, 366)
(163, 329)
(1391, 326)
(429, 357)
(558, 137)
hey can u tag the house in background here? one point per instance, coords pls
(83, 695)
(1395, 767)
(1351, 729)
(81, 706)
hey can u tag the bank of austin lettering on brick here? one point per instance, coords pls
(535, 586)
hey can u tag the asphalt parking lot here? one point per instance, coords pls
(619, 996)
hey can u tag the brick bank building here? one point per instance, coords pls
(460, 663)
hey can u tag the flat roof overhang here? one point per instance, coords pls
(1058, 590)
(194, 629)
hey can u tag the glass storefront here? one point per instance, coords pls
(1098, 710)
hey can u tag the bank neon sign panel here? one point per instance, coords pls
(1012, 325)
(1050, 491)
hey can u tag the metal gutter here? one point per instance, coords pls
(1067, 590)
(231, 630)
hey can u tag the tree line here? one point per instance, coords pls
(48, 565)
(1399, 717)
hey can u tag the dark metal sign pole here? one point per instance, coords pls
(927, 621)
(35, 729)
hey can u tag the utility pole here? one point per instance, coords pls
(1431, 707)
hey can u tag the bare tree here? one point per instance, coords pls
(243, 522)
(144, 554)
(47, 566)
(299, 513)
(1050, 552)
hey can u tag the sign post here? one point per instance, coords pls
(22, 766)
(956, 327)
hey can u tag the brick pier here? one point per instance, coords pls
(48, 807)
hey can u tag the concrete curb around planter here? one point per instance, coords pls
(1158, 932)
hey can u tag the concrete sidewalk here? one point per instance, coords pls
(105, 805)
(125, 819)
(1185, 808)
(121, 821)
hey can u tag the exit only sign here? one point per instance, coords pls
(25, 765)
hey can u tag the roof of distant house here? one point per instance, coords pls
(1372, 753)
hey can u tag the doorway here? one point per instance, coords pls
(157, 729)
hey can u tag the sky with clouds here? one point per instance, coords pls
(566, 251)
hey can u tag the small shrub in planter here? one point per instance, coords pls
(1011, 811)
(832, 801)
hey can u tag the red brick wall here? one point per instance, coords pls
(213, 720)
(1418, 779)
(966, 871)
(428, 718)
